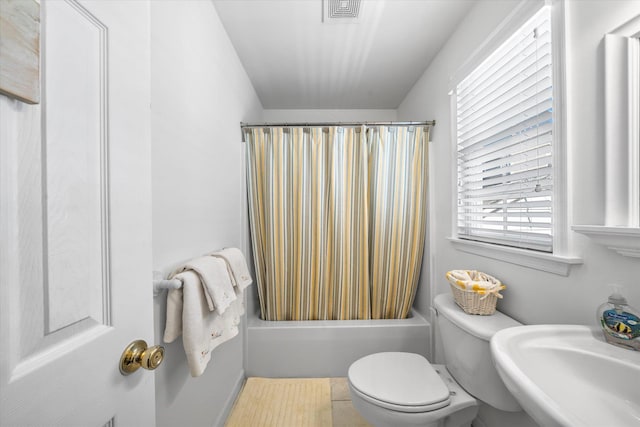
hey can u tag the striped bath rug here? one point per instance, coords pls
(283, 402)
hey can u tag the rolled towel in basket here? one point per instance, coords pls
(476, 281)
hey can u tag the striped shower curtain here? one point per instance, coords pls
(338, 220)
(398, 217)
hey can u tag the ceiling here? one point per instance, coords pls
(295, 61)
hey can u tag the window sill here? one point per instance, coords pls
(556, 264)
(623, 240)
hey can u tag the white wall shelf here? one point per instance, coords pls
(623, 240)
(621, 231)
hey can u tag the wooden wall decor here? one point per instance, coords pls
(20, 49)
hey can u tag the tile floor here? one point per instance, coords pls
(342, 411)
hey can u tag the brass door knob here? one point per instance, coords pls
(138, 355)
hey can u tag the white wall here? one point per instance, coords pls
(310, 116)
(199, 93)
(533, 296)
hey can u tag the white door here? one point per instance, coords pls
(75, 223)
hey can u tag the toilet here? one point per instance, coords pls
(403, 389)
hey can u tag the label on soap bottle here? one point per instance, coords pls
(622, 325)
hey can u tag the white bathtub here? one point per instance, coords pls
(326, 348)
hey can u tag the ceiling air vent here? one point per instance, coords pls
(340, 10)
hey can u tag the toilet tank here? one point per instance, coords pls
(465, 340)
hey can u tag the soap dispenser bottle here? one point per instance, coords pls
(619, 321)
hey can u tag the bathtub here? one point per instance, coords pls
(326, 348)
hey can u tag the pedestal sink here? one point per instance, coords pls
(567, 375)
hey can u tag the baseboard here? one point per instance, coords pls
(228, 406)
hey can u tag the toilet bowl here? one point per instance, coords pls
(403, 389)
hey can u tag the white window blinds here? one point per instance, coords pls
(504, 142)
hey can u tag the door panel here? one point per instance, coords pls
(77, 211)
(75, 237)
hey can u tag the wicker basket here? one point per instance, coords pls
(474, 303)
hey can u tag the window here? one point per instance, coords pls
(504, 133)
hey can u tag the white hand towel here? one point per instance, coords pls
(173, 326)
(233, 315)
(215, 278)
(237, 266)
(202, 330)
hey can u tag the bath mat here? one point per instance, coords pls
(283, 402)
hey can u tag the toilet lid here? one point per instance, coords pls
(400, 379)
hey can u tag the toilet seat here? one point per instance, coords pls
(404, 382)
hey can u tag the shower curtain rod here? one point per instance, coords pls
(344, 124)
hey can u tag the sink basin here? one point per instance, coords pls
(567, 375)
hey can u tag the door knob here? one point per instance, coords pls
(138, 355)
